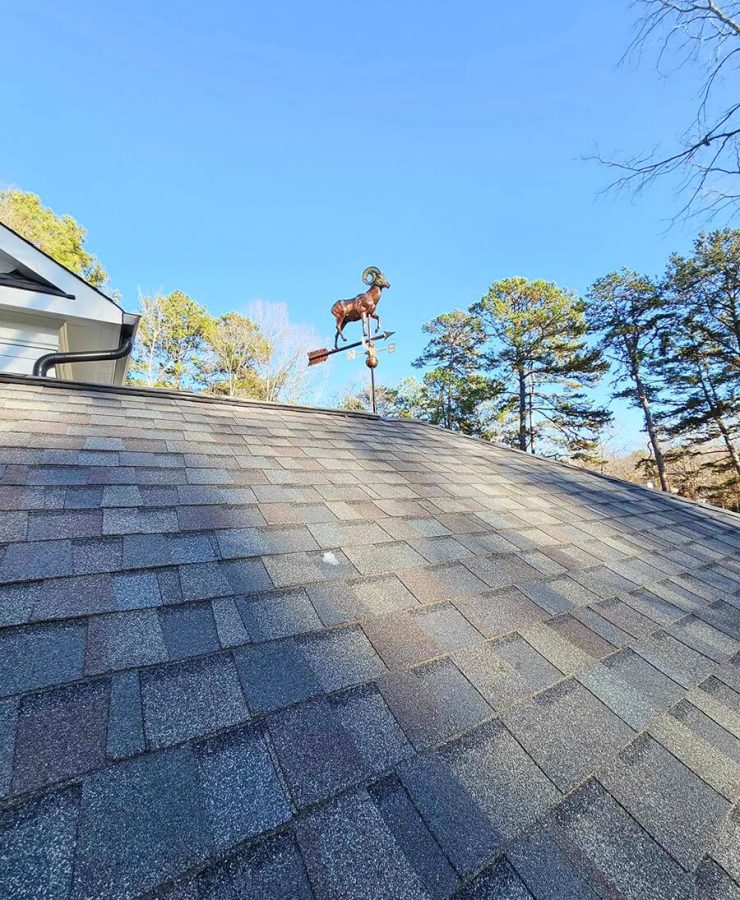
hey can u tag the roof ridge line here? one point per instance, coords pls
(542, 460)
(169, 394)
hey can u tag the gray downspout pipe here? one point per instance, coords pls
(51, 360)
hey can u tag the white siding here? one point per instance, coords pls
(23, 339)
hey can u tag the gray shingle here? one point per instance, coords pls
(433, 702)
(8, 720)
(60, 733)
(556, 649)
(496, 614)
(409, 831)
(203, 580)
(505, 670)
(674, 805)
(502, 571)
(62, 598)
(546, 869)
(331, 535)
(581, 636)
(366, 718)
(262, 541)
(675, 659)
(125, 719)
(191, 698)
(277, 615)
(229, 624)
(596, 831)
(317, 755)
(141, 822)
(40, 656)
(341, 658)
(446, 582)
(136, 590)
(338, 602)
(189, 630)
(383, 557)
(123, 640)
(350, 853)
(705, 639)
(449, 628)
(93, 555)
(37, 843)
(17, 602)
(604, 583)
(49, 525)
(122, 520)
(702, 725)
(441, 549)
(457, 822)
(500, 882)
(275, 675)
(502, 779)
(198, 518)
(290, 569)
(654, 607)
(656, 690)
(726, 849)
(82, 497)
(569, 732)
(147, 550)
(270, 870)
(242, 791)
(720, 770)
(32, 560)
(400, 640)
(13, 526)
(246, 576)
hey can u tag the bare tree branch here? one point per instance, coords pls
(707, 163)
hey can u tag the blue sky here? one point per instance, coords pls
(249, 150)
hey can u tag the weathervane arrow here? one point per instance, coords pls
(323, 353)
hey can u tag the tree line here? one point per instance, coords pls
(179, 344)
(519, 367)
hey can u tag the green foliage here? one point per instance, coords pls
(454, 393)
(60, 237)
(700, 359)
(628, 311)
(538, 349)
(235, 347)
(171, 334)
(389, 401)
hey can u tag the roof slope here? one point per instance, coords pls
(265, 652)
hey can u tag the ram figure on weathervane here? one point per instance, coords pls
(362, 307)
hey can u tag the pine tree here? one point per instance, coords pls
(539, 351)
(627, 310)
(454, 393)
(700, 362)
(170, 336)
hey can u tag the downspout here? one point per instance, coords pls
(51, 360)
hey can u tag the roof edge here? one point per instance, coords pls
(543, 460)
(190, 396)
(62, 266)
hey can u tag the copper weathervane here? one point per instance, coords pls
(361, 308)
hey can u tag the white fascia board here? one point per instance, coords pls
(88, 302)
(96, 309)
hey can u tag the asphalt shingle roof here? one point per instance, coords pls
(254, 651)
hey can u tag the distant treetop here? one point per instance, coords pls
(61, 237)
